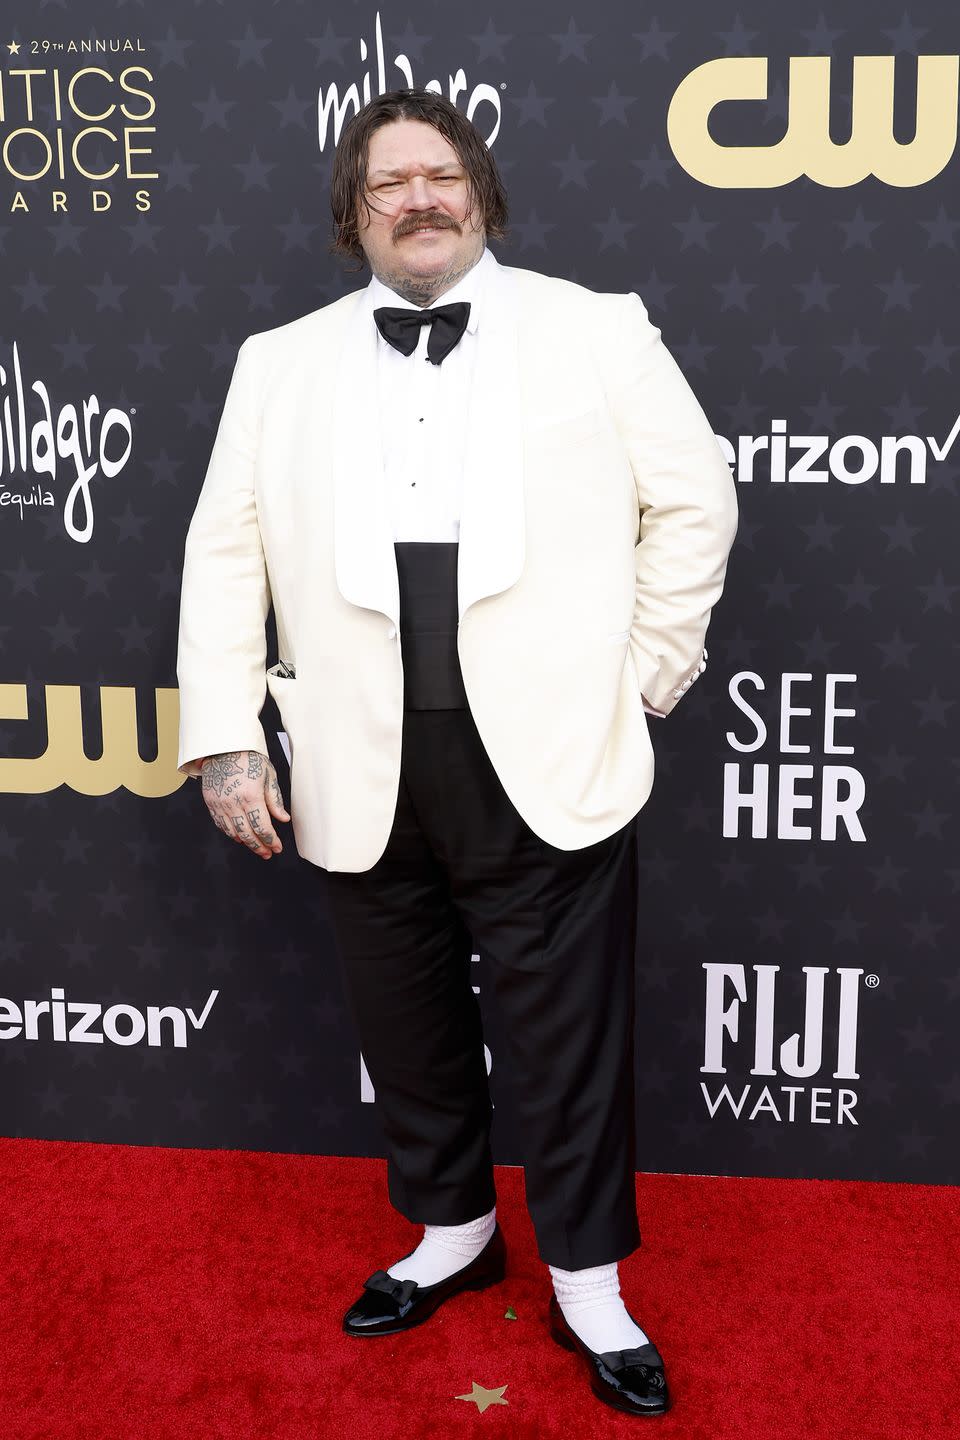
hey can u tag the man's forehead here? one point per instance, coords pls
(395, 150)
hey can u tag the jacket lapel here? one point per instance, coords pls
(366, 563)
(492, 509)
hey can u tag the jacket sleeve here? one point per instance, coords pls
(225, 595)
(688, 506)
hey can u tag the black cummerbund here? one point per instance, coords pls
(429, 613)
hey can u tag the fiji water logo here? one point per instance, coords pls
(394, 75)
(740, 1019)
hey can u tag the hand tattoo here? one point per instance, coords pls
(256, 825)
(218, 769)
(255, 769)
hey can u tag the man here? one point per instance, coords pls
(492, 520)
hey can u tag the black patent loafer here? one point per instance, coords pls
(630, 1380)
(388, 1305)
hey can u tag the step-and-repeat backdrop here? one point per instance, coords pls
(780, 189)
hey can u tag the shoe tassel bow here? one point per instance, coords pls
(398, 1290)
(644, 1358)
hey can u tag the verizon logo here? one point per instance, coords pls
(86, 1022)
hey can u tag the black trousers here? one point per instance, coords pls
(461, 871)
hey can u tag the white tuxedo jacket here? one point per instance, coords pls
(597, 516)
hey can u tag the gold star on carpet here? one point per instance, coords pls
(484, 1397)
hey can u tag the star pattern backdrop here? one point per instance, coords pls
(165, 195)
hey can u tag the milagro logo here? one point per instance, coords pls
(67, 446)
(730, 999)
(330, 105)
(85, 1022)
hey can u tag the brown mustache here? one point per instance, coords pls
(425, 225)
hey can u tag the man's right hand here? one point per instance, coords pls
(241, 792)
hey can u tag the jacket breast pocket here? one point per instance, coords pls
(560, 430)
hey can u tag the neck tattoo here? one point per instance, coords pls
(422, 290)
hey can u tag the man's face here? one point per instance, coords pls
(417, 238)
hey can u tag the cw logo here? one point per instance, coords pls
(806, 148)
(65, 761)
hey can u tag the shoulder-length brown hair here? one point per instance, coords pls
(348, 179)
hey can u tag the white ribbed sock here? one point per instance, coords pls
(444, 1250)
(593, 1307)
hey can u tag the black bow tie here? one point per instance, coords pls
(401, 328)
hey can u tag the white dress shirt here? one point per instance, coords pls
(423, 409)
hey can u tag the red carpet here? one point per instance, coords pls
(154, 1293)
